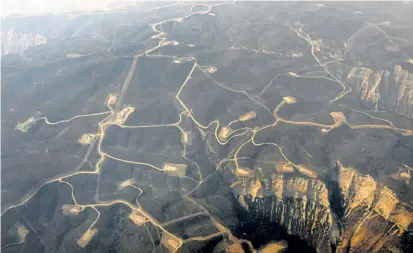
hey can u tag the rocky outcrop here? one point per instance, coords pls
(388, 89)
(13, 42)
(300, 205)
(373, 218)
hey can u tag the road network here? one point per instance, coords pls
(248, 133)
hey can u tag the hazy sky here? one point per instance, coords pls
(34, 7)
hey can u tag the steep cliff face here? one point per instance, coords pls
(13, 42)
(389, 89)
(300, 205)
(373, 219)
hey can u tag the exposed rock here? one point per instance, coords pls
(374, 219)
(298, 204)
(389, 89)
(13, 42)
